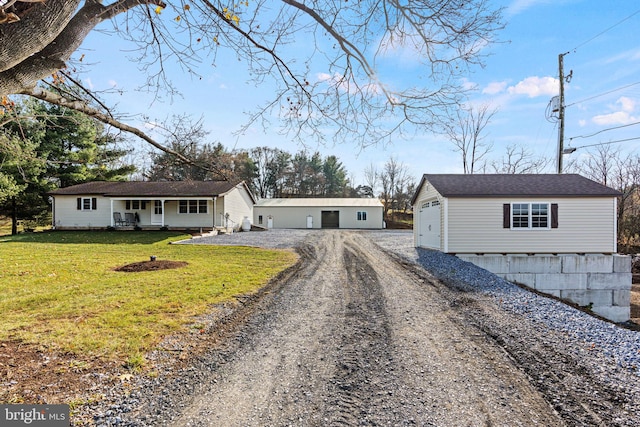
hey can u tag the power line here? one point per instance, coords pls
(603, 94)
(604, 31)
(607, 143)
(605, 130)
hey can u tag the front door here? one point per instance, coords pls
(156, 215)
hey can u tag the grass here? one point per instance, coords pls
(59, 290)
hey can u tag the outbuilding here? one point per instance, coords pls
(553, 233)
(542, 213)
(319, 213)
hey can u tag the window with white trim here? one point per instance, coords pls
(530, 215)
(192, 206)
(135, 205)
(87, 203)
(362, 215)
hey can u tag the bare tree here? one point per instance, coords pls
(601, 164)
(371, 177)
(519, 159)
(395, 181)
(349, 41)
(467, 134)
(608, 166)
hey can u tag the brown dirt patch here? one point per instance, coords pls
(32, 374)
(151, 266)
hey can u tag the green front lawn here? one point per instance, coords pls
(59, 289)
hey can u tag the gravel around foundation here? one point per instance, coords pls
(368, 330)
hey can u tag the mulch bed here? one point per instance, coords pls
(151, 266)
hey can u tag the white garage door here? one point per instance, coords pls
(430, 224)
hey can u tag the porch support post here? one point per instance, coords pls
(214, 211)
(111, 214)
(162, 204)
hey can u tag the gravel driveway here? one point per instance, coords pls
(362, 332)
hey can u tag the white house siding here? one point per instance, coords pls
(173, 218)
(286, 217)
(238, 204)
(67, 215)
(296, 216)
(585, 225)
(427, 193)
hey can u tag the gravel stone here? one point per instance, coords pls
(368, 330)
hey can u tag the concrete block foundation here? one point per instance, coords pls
(601, 282)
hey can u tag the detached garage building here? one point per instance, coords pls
(544, 213)
(318, 213)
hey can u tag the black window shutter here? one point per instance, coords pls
(554, 215)
(127, 205)
(79, 203)
(144, 204)
(94, 203)
(506, 215)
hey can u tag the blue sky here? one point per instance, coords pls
(520, 76)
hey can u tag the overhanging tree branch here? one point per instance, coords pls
(54, 98)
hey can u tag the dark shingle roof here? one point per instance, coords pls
(501, 185)
(149, 189)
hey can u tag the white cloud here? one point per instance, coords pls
(494, 88)
(627, 104)
(519, 6)
(113, 83)
(625, 107)
(151, 125)
(88, 83)
(626, 56)
(535, 86)
(468, 84)
(617, 118)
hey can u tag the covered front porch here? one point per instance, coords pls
(151, 213)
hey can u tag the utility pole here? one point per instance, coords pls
(561, 112)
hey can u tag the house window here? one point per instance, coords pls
(259, 219)
(362, 216)
(532, 215)
(192, 206)
(87, 203)
(520, 215)
(135, 205)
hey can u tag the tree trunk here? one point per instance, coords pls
(23, 76)
(39, 25)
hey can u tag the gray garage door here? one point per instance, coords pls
(330, 219)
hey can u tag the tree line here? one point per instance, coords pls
(44, 147)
